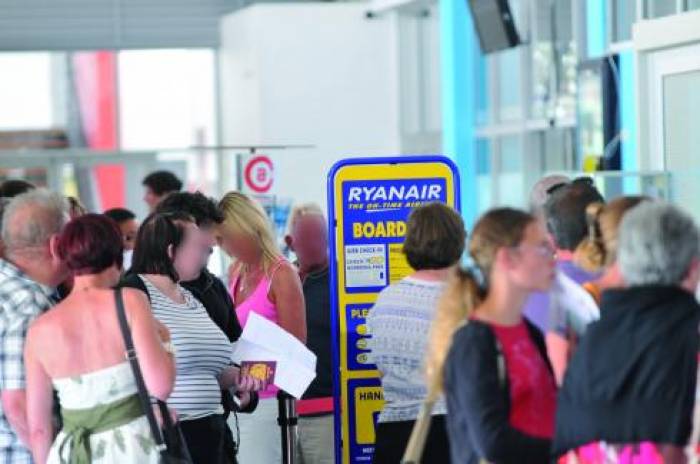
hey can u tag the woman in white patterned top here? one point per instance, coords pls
(169, 248)
(399, 324)
(77, 349)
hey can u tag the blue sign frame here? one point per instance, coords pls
(333, 224)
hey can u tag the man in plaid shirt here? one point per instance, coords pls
(29, 273)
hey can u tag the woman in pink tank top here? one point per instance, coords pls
(258, 297)
(265, 283)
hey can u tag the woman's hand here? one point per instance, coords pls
(231, 378)
(247, 384)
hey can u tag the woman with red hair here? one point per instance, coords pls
(77, 349)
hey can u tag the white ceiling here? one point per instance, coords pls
(110, 24)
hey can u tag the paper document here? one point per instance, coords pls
(263, 340)
(573, 307)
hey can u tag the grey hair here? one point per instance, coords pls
(658, 243)
(538, 194)
(31, 219)
(299, 211)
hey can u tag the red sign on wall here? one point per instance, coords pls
(258, 174)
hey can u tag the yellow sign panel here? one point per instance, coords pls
(368, 401)
(370, 201)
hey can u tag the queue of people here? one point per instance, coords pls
(630, 387)
(569, 334)
(619, 282)
(67, 398)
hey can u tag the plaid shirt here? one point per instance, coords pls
(21, 301)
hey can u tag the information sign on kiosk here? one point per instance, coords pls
(369, 201)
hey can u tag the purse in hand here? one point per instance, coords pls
(170, 442)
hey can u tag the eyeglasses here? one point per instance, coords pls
(578, 180)
(543, 250)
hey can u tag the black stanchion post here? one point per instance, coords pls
(287, 421)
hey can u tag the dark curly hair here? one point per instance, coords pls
(202, 208)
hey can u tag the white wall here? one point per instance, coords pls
(26, 94)
(311, 73)
(419, 74)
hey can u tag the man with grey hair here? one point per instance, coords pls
(633, 377)
(29, 274)
(540, 192)
(8, 190)
(308, 238)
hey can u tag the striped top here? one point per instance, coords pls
(400, 324)
(202, 351)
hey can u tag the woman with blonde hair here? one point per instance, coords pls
(265, 283)
(489, 360)
(598, 252)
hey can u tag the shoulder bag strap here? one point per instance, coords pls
(136, 369)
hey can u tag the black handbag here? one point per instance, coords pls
(170, 442)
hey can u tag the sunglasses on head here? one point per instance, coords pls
(578, 180)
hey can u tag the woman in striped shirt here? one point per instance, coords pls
(168, 250)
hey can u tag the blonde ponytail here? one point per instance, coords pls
(591, 254)
(599, 249)
(461, 296)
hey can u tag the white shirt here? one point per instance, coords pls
(400, 324)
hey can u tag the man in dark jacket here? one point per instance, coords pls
(308, 238)
(208, 288)
(633, 376)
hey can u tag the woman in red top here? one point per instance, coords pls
(499, 386)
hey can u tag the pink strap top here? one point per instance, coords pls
(259, 303)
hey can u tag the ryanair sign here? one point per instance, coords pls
(396, 193)
(369, 201)
(378, 210)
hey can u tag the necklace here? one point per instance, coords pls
(246, 277)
